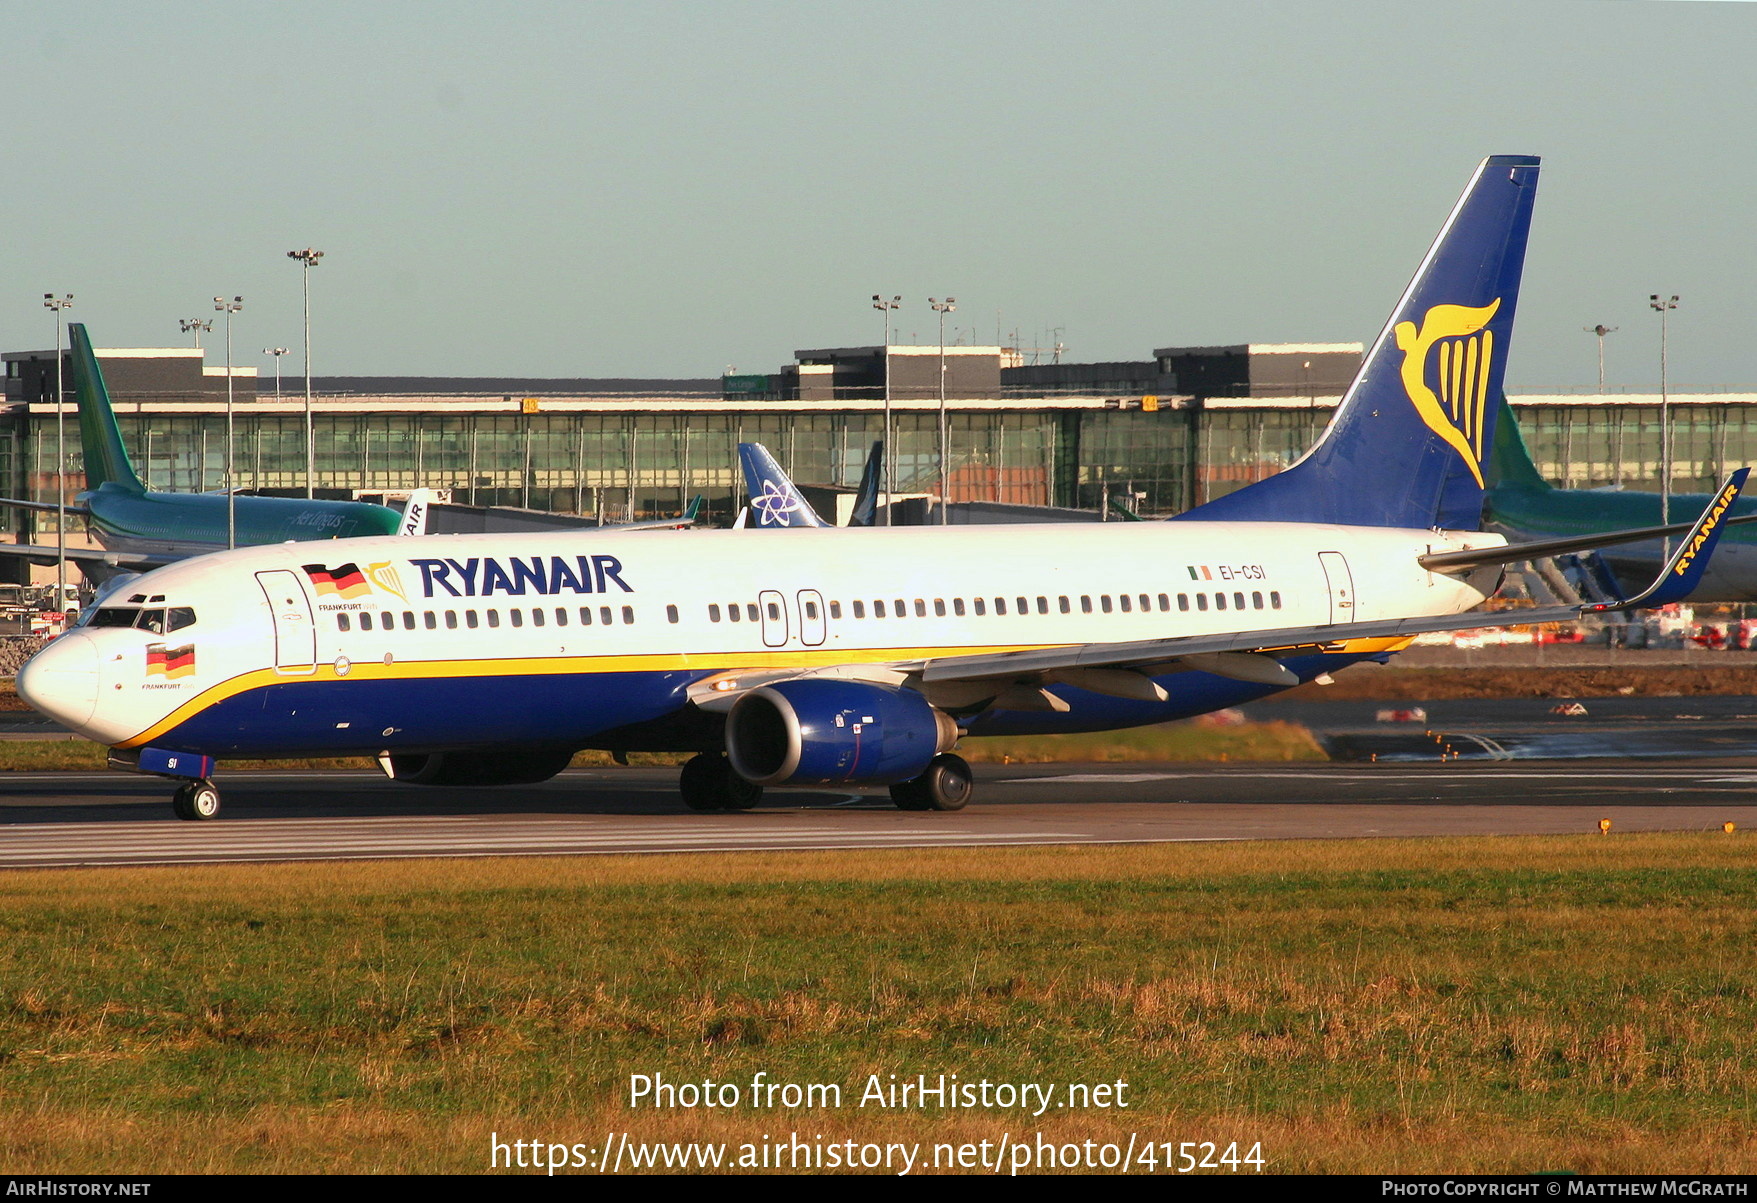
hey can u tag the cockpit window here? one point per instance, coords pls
(157, 621)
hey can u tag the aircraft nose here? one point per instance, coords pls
(62, 680)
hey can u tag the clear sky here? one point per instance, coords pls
(657, 189)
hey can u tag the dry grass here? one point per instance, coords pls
(1493, 1005)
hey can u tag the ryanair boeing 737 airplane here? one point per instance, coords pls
(856, 657)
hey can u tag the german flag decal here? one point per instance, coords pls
(346, 581)
(172, 662)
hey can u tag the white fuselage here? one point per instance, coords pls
(605, 628)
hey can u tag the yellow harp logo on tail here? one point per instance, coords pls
(1465, 349)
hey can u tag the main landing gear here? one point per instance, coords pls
(196, 800)
(708, 783)
(946, 785)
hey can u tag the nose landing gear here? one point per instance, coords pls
(196, 801)
(196, 798)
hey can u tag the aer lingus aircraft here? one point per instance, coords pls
(1522, 505)
(847, 656)
(141, 528)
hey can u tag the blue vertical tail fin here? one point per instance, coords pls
(774, 502)
(1407, 444)
(106, 459)
(866, 499)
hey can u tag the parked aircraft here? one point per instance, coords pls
(1522, 505)
(854, 657)
(776, 503)
(143, 528)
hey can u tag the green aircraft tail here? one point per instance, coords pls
(106, 459)
(1510, 462)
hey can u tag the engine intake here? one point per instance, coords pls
(821, 731)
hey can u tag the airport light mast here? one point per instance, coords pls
(890, 457)
(1601, 330)
(194, 325)
(277, 352)
(308, 259)
(1664, 309)
(60, 305)
(229, 308)
(942, 308)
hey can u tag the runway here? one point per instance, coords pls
(67, 819)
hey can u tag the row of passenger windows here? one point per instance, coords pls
(1125, 603)
(1104, 603)
(537, 616)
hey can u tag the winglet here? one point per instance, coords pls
(1683, 572)
(774, 502)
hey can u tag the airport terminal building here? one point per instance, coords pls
(1159, 435)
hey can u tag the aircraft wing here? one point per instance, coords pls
(650, 524)
(48, 506)
(1512, 553)
(1235, 650)
(1149, 653)
(1126, 669)
(96, 557)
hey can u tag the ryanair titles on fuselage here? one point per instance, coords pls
(520, 576)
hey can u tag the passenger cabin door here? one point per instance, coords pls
(773, 608)
(295, 632)
(1341, 583)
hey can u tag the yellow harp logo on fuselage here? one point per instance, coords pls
(1465, 349)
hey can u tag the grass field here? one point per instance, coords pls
(1581, 1003)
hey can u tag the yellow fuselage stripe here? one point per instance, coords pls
(533, 666)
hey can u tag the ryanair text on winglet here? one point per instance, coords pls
(1706, 529)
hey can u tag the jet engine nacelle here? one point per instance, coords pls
(522, 766)
(822, 731)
